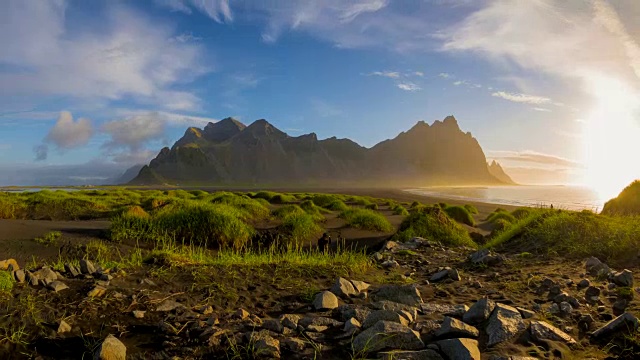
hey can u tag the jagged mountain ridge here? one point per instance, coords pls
(230, 153)
(498, 172)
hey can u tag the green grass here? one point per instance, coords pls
(627, 202)
(299, 227)
(337, 205)
(400, 210)
(501, 214)
(471, 209)
(516, 229)
(6, 282)
(367, 220)
(460, 214)
(50, 238)
(434, 224)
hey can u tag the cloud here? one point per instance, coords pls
(389, 74)
(218, 10)
(445, 75)
(521, 98)
(541, 109)
(534, 157)
(69, 134)
(408, 86)
(41, 151)
(418, 73)
(185, 38)
(131, 56)
(95, 172)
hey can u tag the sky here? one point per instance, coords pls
(548, 87)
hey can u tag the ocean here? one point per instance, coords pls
(561, 196)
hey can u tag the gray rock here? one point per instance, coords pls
(390, 305)
(294, 345)
(57, 286)
(623, 278)
(111, 349)
(377, 256)
(19, 275)
(485, 257)
(454, 275)
(343, 288)
(542, 331)
(427, 354)
(45, 274)
(554, 309)
(360, 286)
(317, 328)
(620, 306)
(325, 300)
(566, 308)
(352, 325)
(290, 320)
(347, 312)
(266, 346)
(390, 245)
(319, 321)
(594, 266)
(386, 315)
(591, 292)
(440, 275)
(390, 264)
(504, 323)
(273, 325)
(456, 311)
(479, 312)
(625, 322)
(453, 328)
(584, 283)
(71, 270)
(403, 294)
(526, 314)
(387, 335)
(87, 267)
(32, 279)
(63, 327)
(460, 349)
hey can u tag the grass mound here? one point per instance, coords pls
(135, 210)
(312, 209)
(299, 226)
(501, 214)
(367, 220)
(337, 205)
(460, 214)
(252, 209)
(400, 210)
(325, 200)
(627, 202)
(433, 223)
(471, 209)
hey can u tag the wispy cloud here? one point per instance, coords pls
(218, 10)
(541, 109)
(418, 73)
(521, 98)
(388, 74)
(445, 75)
(534, 157)
(408, 86)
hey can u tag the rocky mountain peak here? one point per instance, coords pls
(223, 129)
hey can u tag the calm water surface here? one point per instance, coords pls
(562, 197)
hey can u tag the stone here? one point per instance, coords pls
(390, 245)
(294, 345)
(504, 323)
(360, 286)
(591, 292)
(453, 328)
(427, 354)
(454, 275)
(625, 322)
(387, 335)
(63, 327)
(168, 305)
(584, 283)
(318, 321)
(290, 320)
(389, 305)
(566, 308)
(360, 313)
(325, 300)
(241, 314)
(594, 266)
(343, 288)
(97, 291)
(554, 309)
(390, 264)
(479, 312)
(317, 328)
(526, 314)
(352, 325)
(19, 275)
(87, 267)
(105, 277)
(71, 270)
(440, 275)
(457, 311)
(623, 278)
(485, 257)
(111, 349)
(403, 294)
(386, 315)
(57, 286)
(266, 346)
(273, 325)
(138, 314)
(45, 274)
(4, 264)
(460, 349)
(32, 279)
(620, 306)
(377, 256)
(541, 331)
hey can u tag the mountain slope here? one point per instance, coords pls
(230, 153)
(498, 172)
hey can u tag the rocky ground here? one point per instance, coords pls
(421, 301)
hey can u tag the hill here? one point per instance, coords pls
(230, 153)
(498, 172)
(627, 202)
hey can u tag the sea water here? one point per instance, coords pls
(560, 196)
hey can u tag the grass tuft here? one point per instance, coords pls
(433, 223)
(367, 220)
(460, 214)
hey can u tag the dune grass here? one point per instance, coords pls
(514, 229)
(471, 209)
(434, 224)
(366, 219)
(400, 210)
(6, 282)
(299, 227)
(502, 214)
(460, 214)
(337, 205)
(626, 203)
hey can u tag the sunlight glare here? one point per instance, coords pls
(612, 137)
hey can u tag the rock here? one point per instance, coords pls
(294, 345)
(390, 305)
(343, 288)
(594, 266)
(19, 275)
(4, 264)
(625, 322)
(460, 349)
(325, 300)
(87, 267)
(454, 275)
(352, 325)
(266, 346)
(377, 256)
(111, 349)
(479, 312)
(584, 283)
(168, 305)
(566, 308)
(453, 328)
(317, 328)
(620, 306)
(403, 294)
(387, 335)
(105, 277)
(386, 315)
(45, 274)
(623, 278)
(71, 270)
(485, 257)
(504, 323)
(273, 325)
(456, 311)
(318, 321)
(390, 264)
(591, 292)
(241, 314)
(440, 275)
(138, 314)
(290, 320)
(63, 327)
(542, 331)
(360, 286)
(390, 245)
(526, 314)
(554, 309)
(32, 279)
(57, 286)
(427, 354)
(97, 291)
(360, 313)
(205, 310)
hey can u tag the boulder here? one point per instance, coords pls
(541, 331)
(266, 346)
(485, 257)
(352, 325)
(386, 315)
(623, 278)
(343, 288)
(360, 313)
(290, 320)
(426, 354)
(111, 349)
(57, 286)
(87, 267)
(625, 322)
(4, 264)
(403, 294)
(479, 312)
(325, 300)
(453, 328)
(387, 335)
(457, 311)
(594, 266)
(389, 305)
(360, 286)
(19, 275)
(460, 349)
(504, 323)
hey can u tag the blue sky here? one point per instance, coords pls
(110, 82)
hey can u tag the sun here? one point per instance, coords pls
(612, 137)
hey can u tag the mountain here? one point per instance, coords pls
(129, 174)
(498, 172)
(230, 153)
